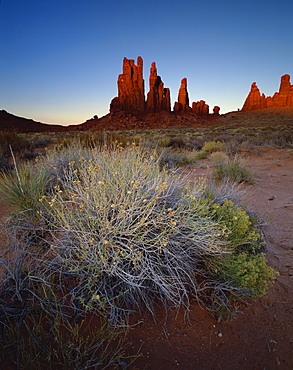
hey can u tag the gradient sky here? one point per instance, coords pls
(60, 59)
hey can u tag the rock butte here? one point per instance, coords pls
(131, 96)
(284, 98)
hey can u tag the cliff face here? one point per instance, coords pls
(131, 98)
(284, 98)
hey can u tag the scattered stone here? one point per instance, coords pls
(272, 197)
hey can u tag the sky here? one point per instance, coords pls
(60, 59)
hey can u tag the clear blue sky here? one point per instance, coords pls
(60, 59)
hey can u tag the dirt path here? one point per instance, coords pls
(262, 336)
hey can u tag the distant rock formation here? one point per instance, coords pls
(284, 98)
(216, 110)
(200, 108)
(158, 98)
(130, 88)
(182, 105)
(131, 98)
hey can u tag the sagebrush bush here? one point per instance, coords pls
(213, 146)
(219, 158)
(234, 170)
(122, 233)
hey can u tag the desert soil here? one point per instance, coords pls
(261, 337)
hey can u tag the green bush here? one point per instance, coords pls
(213, 146)
(234, 170)
(219, 158)
(200, 155)
(236, 225)
(248, 272)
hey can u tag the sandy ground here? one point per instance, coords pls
(261, 337)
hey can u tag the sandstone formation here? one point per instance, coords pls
(216, 110)
(284, 98)
(130, 88)
(130, 104)
(158, 98)
(182, 105)
(200, 108)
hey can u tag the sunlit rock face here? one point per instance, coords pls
(182, 105)
(130, 88)
(200, 108)
(284, 98)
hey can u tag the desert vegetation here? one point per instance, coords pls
(102, 224)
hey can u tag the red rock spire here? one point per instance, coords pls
(158, 98)
(182, 105)
(130, 88)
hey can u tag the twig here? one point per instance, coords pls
(16, 170)
(267, 342)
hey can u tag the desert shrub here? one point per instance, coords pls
(234, 170)
(163, 142)
(23, 187)
(18, 143)
(218, 158)
(194, 143)
(177, 142)
(200, 155)
(235, 224)
(249, 272)
(46, 341)
(207, 149)
(213, 146)
(270, 137)
(172, 159)
(90, 139)
(233, 145)
(123, 233)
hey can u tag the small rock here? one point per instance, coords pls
(272, 197)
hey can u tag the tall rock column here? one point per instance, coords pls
(183, 100)
(283, 98)
(131, 97)
(254, 100)
(158, 98)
